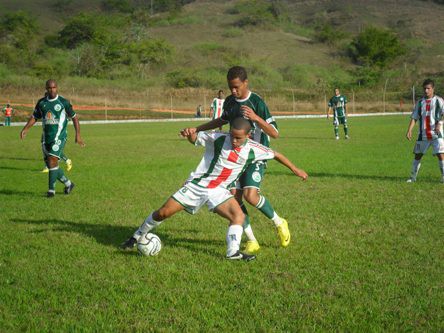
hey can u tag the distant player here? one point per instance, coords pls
(217, 106)
(338, 104)
(429, 111)
(54, 111)
(8, 112)
(226, 156)
(244, 103)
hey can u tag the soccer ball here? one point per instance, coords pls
(149, 245)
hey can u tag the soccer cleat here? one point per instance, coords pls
(68, 189)
(284, 233)
(411, 180)
(50, 194)
(252, 247)
(347, 137)
(241, 256)
(45, 170)
(129, 244)
(337, 138)
(68, 165)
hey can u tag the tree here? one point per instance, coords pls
(375, 47)
(79, 29)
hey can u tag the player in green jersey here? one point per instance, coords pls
(338, 104)
(244, 103)
(54, 111)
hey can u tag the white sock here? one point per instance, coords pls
(234, 235)
(249, 233)
(68, 183)
(415, 168)
(441, 167)
(148, 225)
(276, 219)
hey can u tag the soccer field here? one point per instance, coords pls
(366, 253)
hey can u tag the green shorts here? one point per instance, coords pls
(340, 120)
(54, 148)
(252, 176)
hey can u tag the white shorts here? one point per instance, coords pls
(193, 197)
(421, 147)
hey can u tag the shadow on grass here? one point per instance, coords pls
(348, 176)
(20, 159)
(14, 192)
(114, 235)
(17, 168)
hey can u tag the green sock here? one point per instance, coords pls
(62, 178)
(265, 207)
(53, 175)
(346, 130)
(336, 131)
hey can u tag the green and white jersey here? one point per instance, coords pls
(221, 165)
(218, 107)
(337, 103)
(428, 111)
(54, 114)
(232, 110)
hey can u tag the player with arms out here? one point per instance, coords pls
(217, 106)
(338, 104)
(429, 112)
(54, 111)
(226, 157)
(244, 103)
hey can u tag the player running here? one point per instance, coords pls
(338, 104)
(226, 156)
(429, 111)
(244, 103)
(54, 111)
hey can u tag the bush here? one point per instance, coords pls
(256, 13)
(325, 33)
(78, 30)
(375, 47)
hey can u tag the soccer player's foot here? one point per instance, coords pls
(337, 138)
(68, 189)
(68, 165)
(411, 180)
(284, 233)
(347, 137)
(45, 170)
(129, 244)
(50, 194)
(252, 247)
(241, 256)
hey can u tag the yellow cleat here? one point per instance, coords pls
(45, 170)
(252, 247)
(284, 233)
(68, 165)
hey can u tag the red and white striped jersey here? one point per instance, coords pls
(221, 165)
(429, 111)
(218, 107)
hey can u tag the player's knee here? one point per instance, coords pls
(238, 219)
(162, 214)
(252, 197)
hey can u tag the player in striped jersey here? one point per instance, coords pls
(217, 106)
(429, 112)
(226, 158)
(244, 103)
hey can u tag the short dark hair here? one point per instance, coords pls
(50, 81)
(240, 123)
(220, 91)
(427, 82)
(237, 72)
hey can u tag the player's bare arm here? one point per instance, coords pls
(28, 125)
(192, 137)
(248, 113)
(285, 161)
(410, 128)
(215, 123)
(78, 140)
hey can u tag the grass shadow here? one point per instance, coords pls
(114, 235)
(14, 192)
(17, 168)
(347, 176)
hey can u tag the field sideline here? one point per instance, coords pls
(366, 253)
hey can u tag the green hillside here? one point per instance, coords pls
(302, 45)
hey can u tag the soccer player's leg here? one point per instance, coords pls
(419, 150)
(67, 161)
(438, 150)
(231, 210)
(344, 122)
(251, 189)
(53, 152)
(336, 127)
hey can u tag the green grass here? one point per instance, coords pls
(366, 253)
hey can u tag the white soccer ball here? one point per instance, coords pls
(149, 245)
